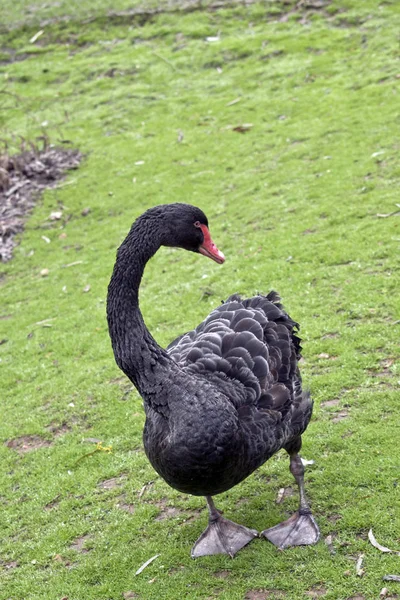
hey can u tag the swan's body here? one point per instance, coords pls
(221, 399)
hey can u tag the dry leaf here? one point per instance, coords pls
(342, 414)
(55, 215)
(146, 564)
(391, 578)
(86, 288)
(46, 239)
(44, 272)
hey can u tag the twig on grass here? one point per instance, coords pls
(144, 488)
(99, 448)
(376, 544)
(146, 564)
(391, 214)
(165, 60)
(359, 570)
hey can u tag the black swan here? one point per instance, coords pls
(221, 399)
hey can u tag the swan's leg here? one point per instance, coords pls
(300, 529)
(221, 536)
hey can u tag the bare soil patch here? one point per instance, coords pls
(27, 443)
(23, 177)
(10, 565)
(79, 544)
(168, 512)
(111, 484)
(329, 403)
(53, 503)
(342, 414)
(58, 429)
(264, 595)
(130, 508)
(316, 592)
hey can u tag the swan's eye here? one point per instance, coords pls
(198, 224)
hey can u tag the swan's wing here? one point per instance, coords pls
(247, 344)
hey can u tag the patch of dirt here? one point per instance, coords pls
(330, 335)
(168, 512)
(273, 54)
(329, 403)
(316, 592)
(22, 178)
(113, 72)
(126, 507)
(123, 504)
(264, 594)
(13, 56)
(241, 501)
(53, 502)
(356, 597)
(60, 559)
(192, 515)
(10, 565)
(58, 429)
(333, 518)
(111, 484)
(385, 364)
(79, 544)
(27, 443)
(342, 414)
(223, 574)
(347, 434)
(140, 16)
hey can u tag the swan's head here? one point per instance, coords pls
(186, 227)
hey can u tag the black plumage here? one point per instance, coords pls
(222, 398)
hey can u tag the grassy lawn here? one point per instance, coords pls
(281, 121)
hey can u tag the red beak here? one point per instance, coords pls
(208, 248)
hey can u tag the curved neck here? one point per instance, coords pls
(135, 350)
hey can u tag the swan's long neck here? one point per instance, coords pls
(136, 351)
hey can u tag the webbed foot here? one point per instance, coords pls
(222, 537)
(299, 530)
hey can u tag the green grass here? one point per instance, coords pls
(294, 205)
